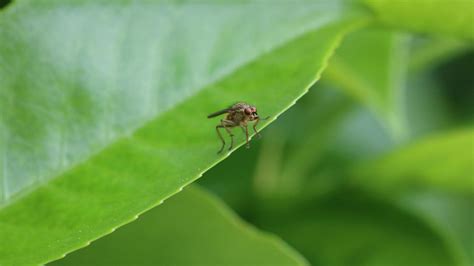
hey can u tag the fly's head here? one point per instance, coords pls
(251, 113)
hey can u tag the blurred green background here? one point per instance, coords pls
(345, 183)
(373, 166)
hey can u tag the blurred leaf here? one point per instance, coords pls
(350, 228)
(427, 53)
(288, 156)
(370, 66)
(449, 17)
(451, 214)
(165, 236)
(445, 162)
(111, 99)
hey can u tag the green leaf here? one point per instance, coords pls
(104, 105)
(350, 228)
(454, 17)
(370, 66)
(108, 80)
(165, 236)
(444, 162)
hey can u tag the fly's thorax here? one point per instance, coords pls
(240, 105)
(239, 116)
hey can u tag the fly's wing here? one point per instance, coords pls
(234, 107)
(219, 112)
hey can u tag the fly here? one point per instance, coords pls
(238, 115)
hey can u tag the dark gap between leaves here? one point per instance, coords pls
(4, 3)
(458, 83)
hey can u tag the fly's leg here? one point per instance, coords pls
(255, 128)
(246, 131)
(227, 125)
(220, 136)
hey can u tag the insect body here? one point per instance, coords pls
(238, 115)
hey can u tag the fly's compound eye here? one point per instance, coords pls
(248, 111)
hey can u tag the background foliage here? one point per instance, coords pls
(373, 163)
